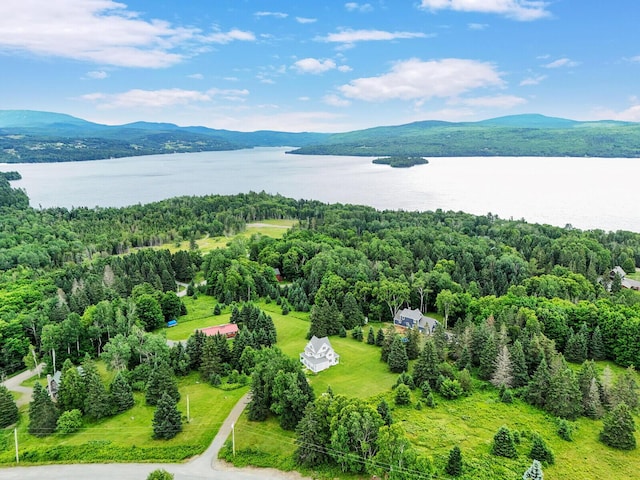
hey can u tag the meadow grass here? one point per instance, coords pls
(199, 315)
(269, 228)
(132, 430)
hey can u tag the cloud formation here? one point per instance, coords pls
(335, 100)
(418, 80)
(98, 31)
(314, 66)
(304, 20)
(562, 62)
(535, 80)
(522, 10)
(97, 75)
(138, 98)
(358, 7)
(353, 36)
(271, 14)
(496, 101)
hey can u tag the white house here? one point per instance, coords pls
(319, 355)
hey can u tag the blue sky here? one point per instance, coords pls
(326, 66)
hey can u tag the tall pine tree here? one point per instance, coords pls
(43, 414)
(121, 394)
(8, 408)
(167, 422)
(618, 427)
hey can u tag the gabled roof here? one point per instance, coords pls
(226, 329)
(618, 270)
(315, 344)
(415, 314)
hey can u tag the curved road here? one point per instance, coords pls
(203, 466)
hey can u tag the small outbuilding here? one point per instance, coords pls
(229, 330)
(319, 355)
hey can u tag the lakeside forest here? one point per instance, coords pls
(534, 332)
(32, 137)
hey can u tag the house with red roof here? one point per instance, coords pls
(229, 330)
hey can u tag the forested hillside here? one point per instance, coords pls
(78, 283)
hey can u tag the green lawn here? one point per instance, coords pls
(268, 228)
(129, 435)
(199, 315)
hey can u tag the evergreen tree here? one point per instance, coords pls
(398, 360)
(503, 371)
(325, 320)
(69, 422)
(290, 393)
(313, 433)
(534, 472)
(618, 427)
(161, 382)
(503, 444)
(167, 422)
(43, 414)
(96, 401)
(71, 391)
(597, 349)
(540, 451)
(211, 361)
(564, 398)
(194, 348)
(488, 356)
(371, 338)
(389, 335)
(430, 400)
(454, 464)
(565, 430)
(121, 394)
(8, 408)
(625, 389)
(413, 343)
(519, 365)
(385, 412)
(592, 405)
(576, 350)
(179, 359)
(217, 310)
(380, 337)
(538, 386)
(402, 395)
(426, 367)
(351, 312)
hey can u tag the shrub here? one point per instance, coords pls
(403, 395)
(565, 430)
(430, 401)
(69, 422)
(160, 474)
(507, 396)
(451, 389)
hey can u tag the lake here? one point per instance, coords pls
(584, 192)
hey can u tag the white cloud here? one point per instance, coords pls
(477, 26)
(230, 36)
(417, 80)
(304, 99)
(271, 14)
(196, 76)
(99, 31)
(562, 62)
(335, 101)
(344, 68)
(497, 101)
(533, 80)
(352, 36)
(630, 114)
(138, 98)
(314, 66)
(97, 75)
(306, 20)
(358, 7)
(523, 10)
(635, 59)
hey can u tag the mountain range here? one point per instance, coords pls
(31, 136)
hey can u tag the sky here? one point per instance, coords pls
(320, 65)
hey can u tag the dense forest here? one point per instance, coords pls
(76, 285)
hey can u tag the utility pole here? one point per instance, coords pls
(233, 438)
(15, 436)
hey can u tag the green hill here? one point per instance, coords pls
(516, 135)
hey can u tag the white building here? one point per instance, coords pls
(319, 355)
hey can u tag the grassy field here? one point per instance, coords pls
(269, 228)
(129, 435)
(199, 315)
(470, 422)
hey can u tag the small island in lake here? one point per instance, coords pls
(401, 162)
(11, 176)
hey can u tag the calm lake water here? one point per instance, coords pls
(584, 192)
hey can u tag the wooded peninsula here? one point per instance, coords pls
(529, 366)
